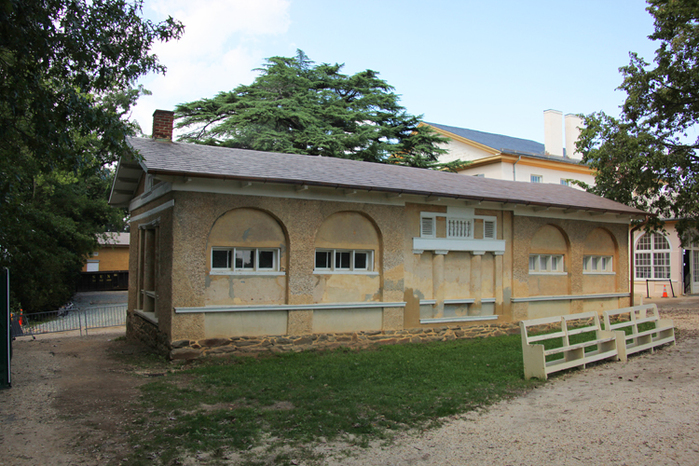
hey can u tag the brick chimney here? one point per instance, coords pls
(162, 124)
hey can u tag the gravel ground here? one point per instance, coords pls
(644, 412)
(70, 403)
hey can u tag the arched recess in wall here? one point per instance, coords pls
(600, 262)
(348, 259)
(247, 259)
(549, 257)
(348, 233)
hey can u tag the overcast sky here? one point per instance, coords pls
(492, 66)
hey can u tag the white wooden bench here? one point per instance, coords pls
(539, 362)
(662, 331)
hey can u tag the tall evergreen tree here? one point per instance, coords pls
(296, 106)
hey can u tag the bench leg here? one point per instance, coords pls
(534, 362)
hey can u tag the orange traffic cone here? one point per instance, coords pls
(665, 291)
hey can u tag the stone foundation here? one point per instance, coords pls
(246, 346)
(145, 332)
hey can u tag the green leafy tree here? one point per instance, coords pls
(298, 107)
(648, 157)
(67, 75)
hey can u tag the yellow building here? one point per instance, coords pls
(112, 255)
(239, 250)
(107, 269)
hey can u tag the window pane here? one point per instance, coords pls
(427, 226)
(555, 263)
(543, 263)
(532, 262)
(659, 242)
(661, 263)
(323, 259)
(244, 259)
(643, 243)
(360, 260)
(489, 229)
(265, 260)
(220, 259)
(342, 260)
(606, 264)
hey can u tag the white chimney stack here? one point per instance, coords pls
(573, 127)
(553, 132)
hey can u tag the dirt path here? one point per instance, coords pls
(70, 400)
(67, 402)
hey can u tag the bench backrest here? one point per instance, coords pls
(572, 324)
(637, 315)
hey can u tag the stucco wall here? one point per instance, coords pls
(574, 239)
(306, 225)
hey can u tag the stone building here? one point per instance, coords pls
(239, 250)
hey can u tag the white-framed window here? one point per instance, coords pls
(546, 263)
(597, 264)
(93, 266)
(652, 257)
(344, 260)
(244, 260)
(489, 229)
(536, 179)
(565, 182)
(428, 226)
(479, 175)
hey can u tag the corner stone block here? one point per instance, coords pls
(300, 323)
(393, 318)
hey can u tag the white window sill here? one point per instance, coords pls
(344, 272)
(246, 273)
(599, 273)
(550, 274)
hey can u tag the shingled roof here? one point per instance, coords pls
(193, 160)
(496, 141)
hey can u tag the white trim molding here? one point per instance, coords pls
(444, 320)
(153, 211)
(286, 307)
(570, 297)
(470, 245)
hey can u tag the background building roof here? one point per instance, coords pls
(496, 141)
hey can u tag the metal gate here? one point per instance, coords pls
(82, 319)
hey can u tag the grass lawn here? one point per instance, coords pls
(226, 405)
